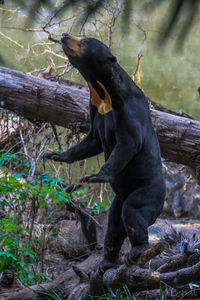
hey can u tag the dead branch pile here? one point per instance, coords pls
(173, 262)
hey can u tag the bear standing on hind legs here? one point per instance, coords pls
(121, 127)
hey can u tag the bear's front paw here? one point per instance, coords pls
(89, 178)
(52, 156)
(95, 178)
(62, 157)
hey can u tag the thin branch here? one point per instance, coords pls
(11, 40)
(23, 143)
(138, 64)
(22, 29)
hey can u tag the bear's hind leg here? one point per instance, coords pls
(137, 231)
(140, 210)
(114, 237)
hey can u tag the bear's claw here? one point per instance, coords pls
(95, 178)
(52, 156)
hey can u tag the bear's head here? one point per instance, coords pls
(91, 57)
(109, 84)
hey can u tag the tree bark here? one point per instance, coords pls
(70, 286)
(42, 100)
(45, 101)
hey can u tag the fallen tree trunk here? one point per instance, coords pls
(46, 101)
(69, 285)
(42, 100)
(62, 286)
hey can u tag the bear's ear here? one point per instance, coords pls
(111, 59)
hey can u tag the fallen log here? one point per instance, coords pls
(42, 100)
(45, 101)
(69, 285)
(62, 286)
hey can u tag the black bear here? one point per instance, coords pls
(121, 127)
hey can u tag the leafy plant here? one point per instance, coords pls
(22, 197)
(97, 206)
(50, 294)
(13, 257)
(119, 294)
(18, 192)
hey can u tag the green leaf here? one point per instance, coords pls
(47, 172)
(102, 204)
(30, 276)
(8, 242)
(18, 175)
(161, 297)
(1, 162)
(42, 204)
(3, 253)
(28, 252)
(43, 276)
(22, 264)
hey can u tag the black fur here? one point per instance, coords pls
(129, 142)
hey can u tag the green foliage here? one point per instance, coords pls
(162, 293)
(97, 206)
(39, 187)
(16, 190)
(13, 257)
(22, 196)
(50, 294)
(119, 294)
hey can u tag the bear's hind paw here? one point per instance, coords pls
(131, 257)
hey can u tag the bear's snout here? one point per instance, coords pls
(64, 36)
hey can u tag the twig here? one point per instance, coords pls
(56, 136)
(23, 143)
(11, 40)
(85, 213)
(137, 67)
